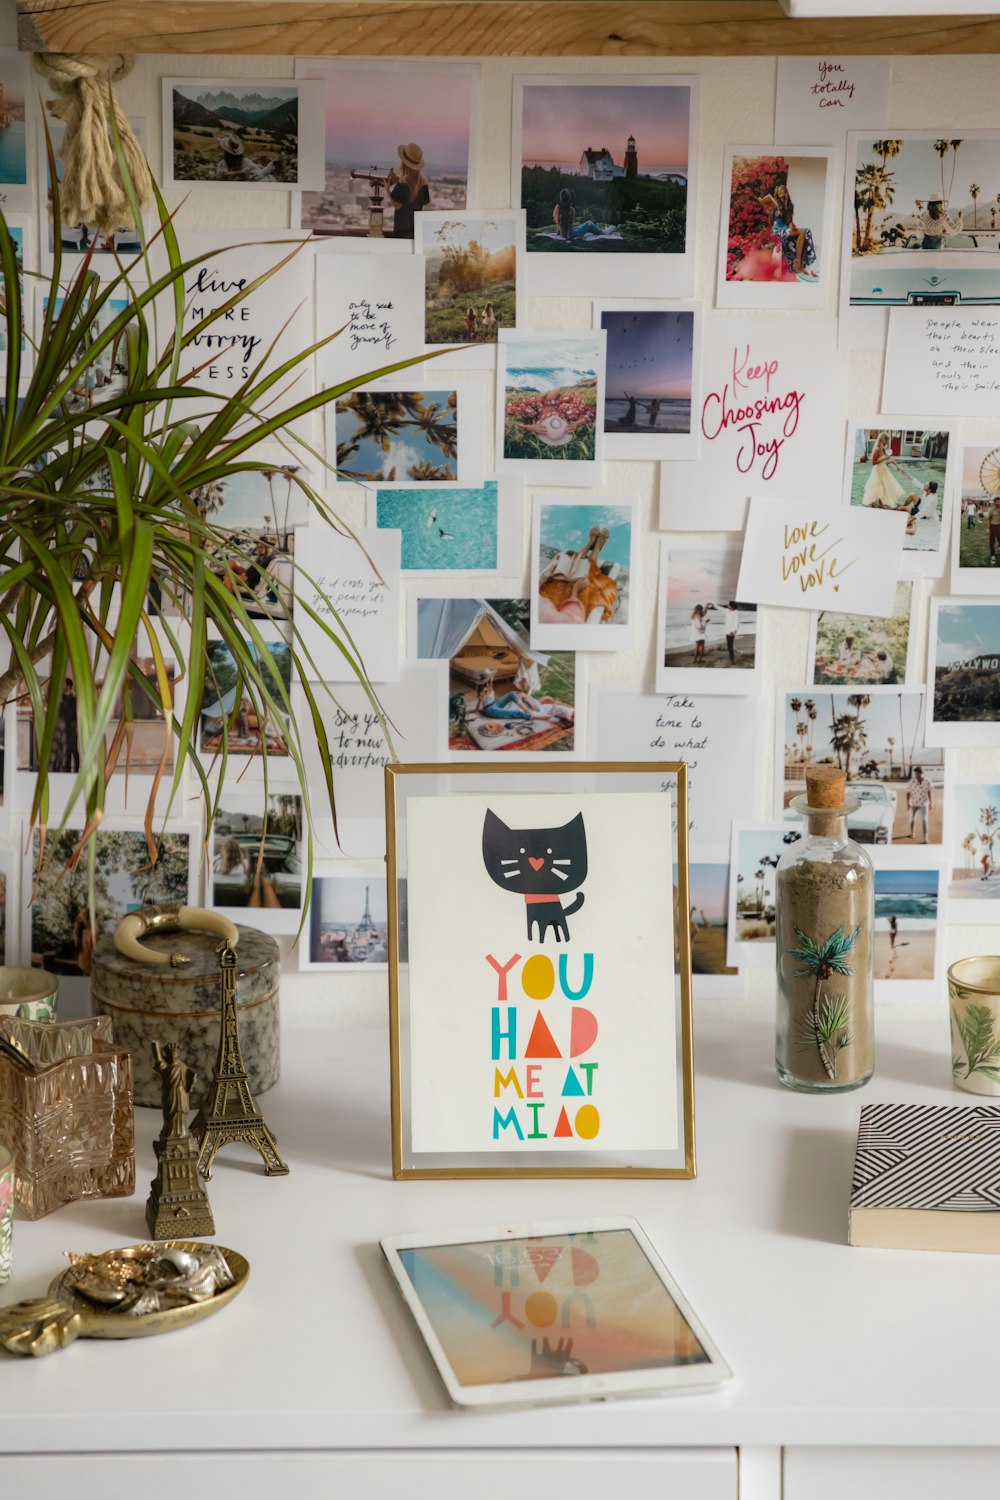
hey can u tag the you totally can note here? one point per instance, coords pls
(818, 99)
(943, 361)
(804, 556)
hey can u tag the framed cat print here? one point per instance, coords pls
(540, 1023)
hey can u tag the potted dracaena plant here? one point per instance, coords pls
(106, 547)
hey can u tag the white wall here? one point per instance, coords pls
(737, 105)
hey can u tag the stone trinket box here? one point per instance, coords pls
(149, 1004)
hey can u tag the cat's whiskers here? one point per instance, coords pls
(508, 873)
(559, 861)
(561, 873)
(508, 861)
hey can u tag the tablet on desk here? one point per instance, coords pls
(554, 1311)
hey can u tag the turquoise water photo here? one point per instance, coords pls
(443, 530)
(913, 907)
(14, 154)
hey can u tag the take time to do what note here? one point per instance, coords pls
(822, 557)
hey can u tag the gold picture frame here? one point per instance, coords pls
(674, 1160)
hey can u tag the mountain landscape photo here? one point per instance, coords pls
(235, 134)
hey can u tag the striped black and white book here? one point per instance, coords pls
(927, 1177)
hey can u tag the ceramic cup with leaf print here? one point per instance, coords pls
(28, 994)
(6, 1213)
(974, 1003)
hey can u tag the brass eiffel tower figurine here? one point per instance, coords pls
(229, 1112)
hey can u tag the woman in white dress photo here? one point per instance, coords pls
(699, 630)
(883, 489)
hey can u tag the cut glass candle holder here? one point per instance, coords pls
(67, 1116)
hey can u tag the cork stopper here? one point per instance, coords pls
(826, 787)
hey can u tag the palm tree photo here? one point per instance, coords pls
(395, 437)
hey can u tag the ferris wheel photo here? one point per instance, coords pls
(977, 527)
(989, 472)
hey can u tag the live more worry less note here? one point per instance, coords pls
(803, 556)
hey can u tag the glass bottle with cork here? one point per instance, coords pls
(824, 926)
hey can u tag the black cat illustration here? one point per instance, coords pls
(538, 864)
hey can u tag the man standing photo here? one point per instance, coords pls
(993, 520)
(919, 801)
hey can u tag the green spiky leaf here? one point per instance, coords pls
(981, 1043)
(99, 518)
(831, 1027)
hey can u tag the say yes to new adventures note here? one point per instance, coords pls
(821, 556)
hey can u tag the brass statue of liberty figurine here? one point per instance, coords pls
(178, 1204)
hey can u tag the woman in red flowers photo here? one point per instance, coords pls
(550, 397)
(774, 227)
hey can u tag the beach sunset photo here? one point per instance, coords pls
(704, 626)
(649, 371)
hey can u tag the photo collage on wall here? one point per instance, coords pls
(569, 423)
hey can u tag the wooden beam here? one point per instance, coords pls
(481, 28)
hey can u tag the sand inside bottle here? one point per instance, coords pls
(817, 899)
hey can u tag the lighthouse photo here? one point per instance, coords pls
(604, 167)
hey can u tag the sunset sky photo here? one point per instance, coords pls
(371, 111)
(560, 121)
(972, 463)
(697, 575)
(649, 352)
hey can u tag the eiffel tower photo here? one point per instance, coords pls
(229, 1112)
(366, 924)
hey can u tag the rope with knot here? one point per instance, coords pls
(92, 191)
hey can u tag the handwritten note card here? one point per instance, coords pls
(818, 99)
(378, 303)
(944, 361)
(806, 556)
(226, 350)
(413, 707)
(773, 395)
(364, 592)
(711, 734)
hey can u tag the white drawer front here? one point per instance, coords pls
(675, 1474)
(884, 1473)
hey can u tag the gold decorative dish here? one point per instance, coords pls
(102, 1297)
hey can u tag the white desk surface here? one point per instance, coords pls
(830, 1345)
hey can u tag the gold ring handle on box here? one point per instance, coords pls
(169, 916)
